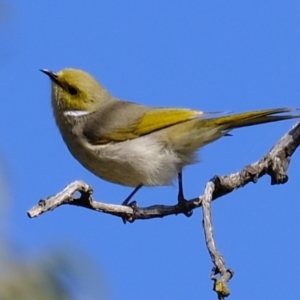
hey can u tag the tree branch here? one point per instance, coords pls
(275, 163)
(220, 284)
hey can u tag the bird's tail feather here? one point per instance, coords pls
(250, 118)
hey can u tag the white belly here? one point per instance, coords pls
(143, 161)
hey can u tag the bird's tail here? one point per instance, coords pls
(250, 118)
(189, 136)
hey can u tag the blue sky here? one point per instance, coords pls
(208, 55)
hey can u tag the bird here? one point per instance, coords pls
(134, 145)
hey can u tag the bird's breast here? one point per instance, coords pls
(141, 161)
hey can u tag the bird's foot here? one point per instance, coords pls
(130, 218)
(183, 204)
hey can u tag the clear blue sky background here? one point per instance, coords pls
(210, 55)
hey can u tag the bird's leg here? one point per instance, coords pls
(132, 204)
(126, 201)
(181, 200)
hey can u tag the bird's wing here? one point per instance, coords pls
(160, 118)
(128, 124)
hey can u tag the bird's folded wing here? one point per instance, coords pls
(150, 121)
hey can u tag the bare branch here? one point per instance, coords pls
(275, 164)
(220, 284)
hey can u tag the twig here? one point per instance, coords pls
(220, 284)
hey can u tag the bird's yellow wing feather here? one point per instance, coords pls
(160, 118)
(151, 120)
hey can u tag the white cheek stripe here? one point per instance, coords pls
(75, 113)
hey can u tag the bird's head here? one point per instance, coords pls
(76, 92)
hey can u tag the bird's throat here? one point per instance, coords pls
(76, 113)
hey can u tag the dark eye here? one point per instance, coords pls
(72, 91)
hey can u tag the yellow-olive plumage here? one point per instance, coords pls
(132, 144)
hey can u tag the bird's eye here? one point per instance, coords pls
(72, 91)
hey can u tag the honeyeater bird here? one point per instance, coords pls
(132, 144)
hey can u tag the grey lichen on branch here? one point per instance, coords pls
(275, 163)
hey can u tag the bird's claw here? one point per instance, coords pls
(183, 204)
(134, 206)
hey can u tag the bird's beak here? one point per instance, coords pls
(53, 76)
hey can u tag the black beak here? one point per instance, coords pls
(53, 76)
